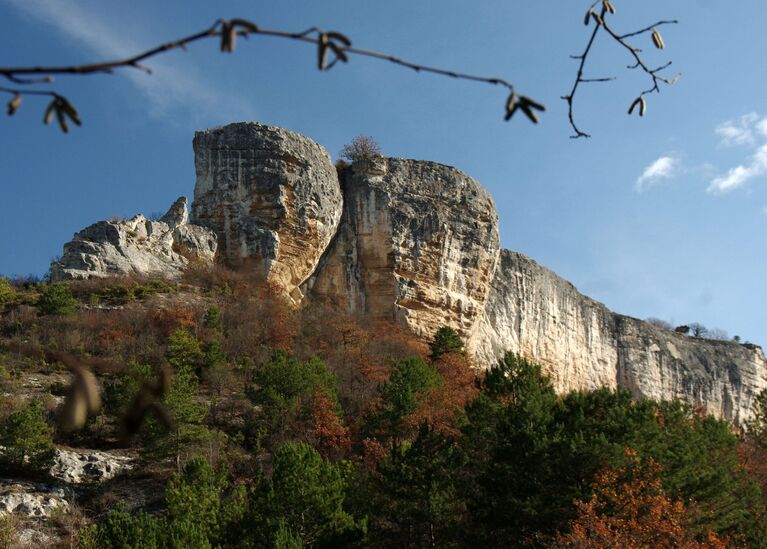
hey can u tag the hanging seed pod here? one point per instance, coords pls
(511, 106)
(533, 104)
(322, 49)
(71, 112)
(83, 399)
(14, 104)
(657, 40)
(340, 37)
(49, 112)
(529, 112)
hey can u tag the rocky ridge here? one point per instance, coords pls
(417, 242)
(136, 246)
(583, 345)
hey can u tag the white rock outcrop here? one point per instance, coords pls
(271, 195)
(30, 498)
(85, 466)
(418, 242)
(412, 241)
(72, 467)
(136, 246)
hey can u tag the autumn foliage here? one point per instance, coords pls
(630, 508)
(443, 405)
(326, 427)
(285, 410)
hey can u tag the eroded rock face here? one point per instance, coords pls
(136, 246)
(418, 242)
(271, 195)
(534, 312)
(582, 345)
(412, 241)
(722, 376)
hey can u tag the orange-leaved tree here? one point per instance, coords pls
(630, 508)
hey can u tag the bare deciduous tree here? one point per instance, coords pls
(362, 147)
(718, 334)
(660, 323)
(698, 330)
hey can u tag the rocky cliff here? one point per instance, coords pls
(136, 246)
(271, 195)
(583, 345)
(417, 242)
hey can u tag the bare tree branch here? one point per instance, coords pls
(328, 44)
(600, 23)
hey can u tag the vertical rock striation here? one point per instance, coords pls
(272, 196)
(418, 242)
(582, 345)
(532, 311)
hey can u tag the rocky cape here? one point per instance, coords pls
(412, 241)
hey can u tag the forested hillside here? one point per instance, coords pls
(249, 422)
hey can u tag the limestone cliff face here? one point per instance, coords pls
(418, 242)
(413, 241)
(136, 246)
(272, 196)
(723, 376)
(582, 345)
(532, 311)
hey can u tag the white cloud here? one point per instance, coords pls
(741, 131)
(168, 87)
(739, 175)
(665, 167)
(749, 130)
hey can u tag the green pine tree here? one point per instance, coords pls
(27, 441)
(400, 396)
(304, 498)
(446, 340)
(57, 299)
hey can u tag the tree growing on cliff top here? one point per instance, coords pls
(362, 147)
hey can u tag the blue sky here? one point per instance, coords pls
(661, 216)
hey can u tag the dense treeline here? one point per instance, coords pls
(295, 428)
